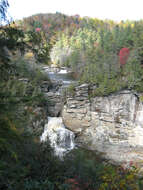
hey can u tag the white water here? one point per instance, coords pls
(61, 139)
(63, 71)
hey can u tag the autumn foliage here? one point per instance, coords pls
(123, 55)
(38, 29)
(76, 184)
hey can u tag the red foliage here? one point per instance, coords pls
(76, 184)
(49, 25)
(123, 55)
(38, 29)
(131, 163)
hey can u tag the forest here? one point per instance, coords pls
(104, 53)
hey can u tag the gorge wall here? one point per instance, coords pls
(112, 125)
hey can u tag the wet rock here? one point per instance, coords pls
(55, 103)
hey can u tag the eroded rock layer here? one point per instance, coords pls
(112, 125)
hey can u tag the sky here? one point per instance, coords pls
(116, 10)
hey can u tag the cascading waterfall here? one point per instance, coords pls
(61, 139)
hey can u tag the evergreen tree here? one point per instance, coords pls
(3, 10)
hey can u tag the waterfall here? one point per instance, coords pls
(61, 139)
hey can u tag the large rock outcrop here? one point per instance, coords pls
(112, 125)
(55, 103)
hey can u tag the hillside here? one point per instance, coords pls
(104, 54)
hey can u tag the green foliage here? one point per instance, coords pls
(36, 168)
(11, 39)
(71, 89)
(29, 167)
(85, 171)
(141, 98)
(31, 71)
(39, 45)
(90, 47)
(19, 95)
(69, 50)
(93, 55)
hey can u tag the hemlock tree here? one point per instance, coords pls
(3, 10)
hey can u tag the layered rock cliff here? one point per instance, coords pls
(112, 125)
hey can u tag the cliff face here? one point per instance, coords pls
(112, 125)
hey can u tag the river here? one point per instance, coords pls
(61, 139)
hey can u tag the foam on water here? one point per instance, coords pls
(61, 139)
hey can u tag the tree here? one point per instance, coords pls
(3, 10)
(123, 55)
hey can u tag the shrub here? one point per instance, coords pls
(71, 89)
